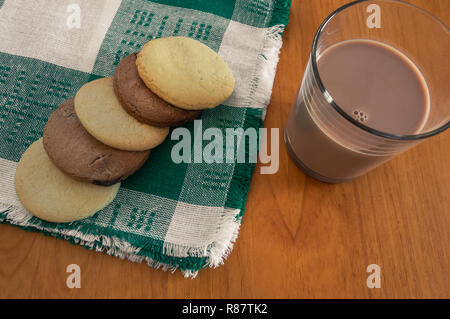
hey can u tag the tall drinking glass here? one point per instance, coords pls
(376, 84)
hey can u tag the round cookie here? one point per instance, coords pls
(142, 103)
(74, 151)
(51, 195)
(185, 73)
(102, 115)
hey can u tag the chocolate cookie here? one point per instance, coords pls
(74, 151)
(140, 102)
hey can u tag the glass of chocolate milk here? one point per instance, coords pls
(377, 83)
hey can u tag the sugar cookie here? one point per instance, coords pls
(51, 195)
(102, 115)
(141, 103)
(185, 73)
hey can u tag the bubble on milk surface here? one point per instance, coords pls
(360, 116)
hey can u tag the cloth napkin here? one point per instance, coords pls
(172, 216)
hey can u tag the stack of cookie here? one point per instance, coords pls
(94, 141)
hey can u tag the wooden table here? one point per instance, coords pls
(300, 238)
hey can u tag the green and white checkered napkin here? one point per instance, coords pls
(174, 216)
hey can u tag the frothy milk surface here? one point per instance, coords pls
(377, 85)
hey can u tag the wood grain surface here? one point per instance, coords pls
(300, 238)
